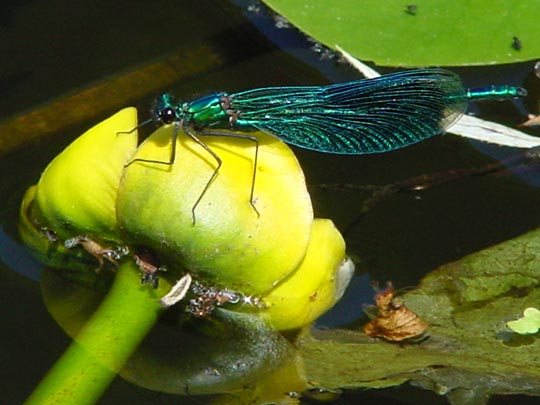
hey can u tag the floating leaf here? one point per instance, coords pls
(528, 324)
(464, 357)
(385, 33)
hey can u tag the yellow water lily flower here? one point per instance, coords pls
(231, 243)
(317, 284)
(249, 230)
(76, 193)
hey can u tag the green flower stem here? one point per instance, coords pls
(104, 344)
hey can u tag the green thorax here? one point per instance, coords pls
(206, 111)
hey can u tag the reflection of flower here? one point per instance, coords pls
(90, 191)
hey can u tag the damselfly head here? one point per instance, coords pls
(166, 116)
(163, 112)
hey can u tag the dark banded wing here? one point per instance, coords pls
(365, 116)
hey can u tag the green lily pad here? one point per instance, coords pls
(529, 323)
(434, 33)
(470, 353)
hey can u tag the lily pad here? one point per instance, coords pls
(433, 33)
(529, 323)
(470, 353)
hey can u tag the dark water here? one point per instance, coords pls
(50, 48)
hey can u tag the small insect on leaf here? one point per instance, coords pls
(516, 44)
(411, 9)
(394, 322)
(528, 324)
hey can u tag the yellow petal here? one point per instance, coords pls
(316, 285)
(42, 244)
(76, 193)
(229, 244)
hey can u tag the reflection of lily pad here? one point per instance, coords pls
(467, 304)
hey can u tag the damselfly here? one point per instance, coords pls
(358, 117)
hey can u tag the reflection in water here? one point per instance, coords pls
(184, 355)
(16, 257)
(349, 308)
(529, 173)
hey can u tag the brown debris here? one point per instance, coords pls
(148, 264)
(95, 249)
(208, 298)
(394, 322)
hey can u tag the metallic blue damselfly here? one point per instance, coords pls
(358, 117)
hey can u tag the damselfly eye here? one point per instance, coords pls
(167, 115)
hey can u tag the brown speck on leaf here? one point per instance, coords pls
(394, 322)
